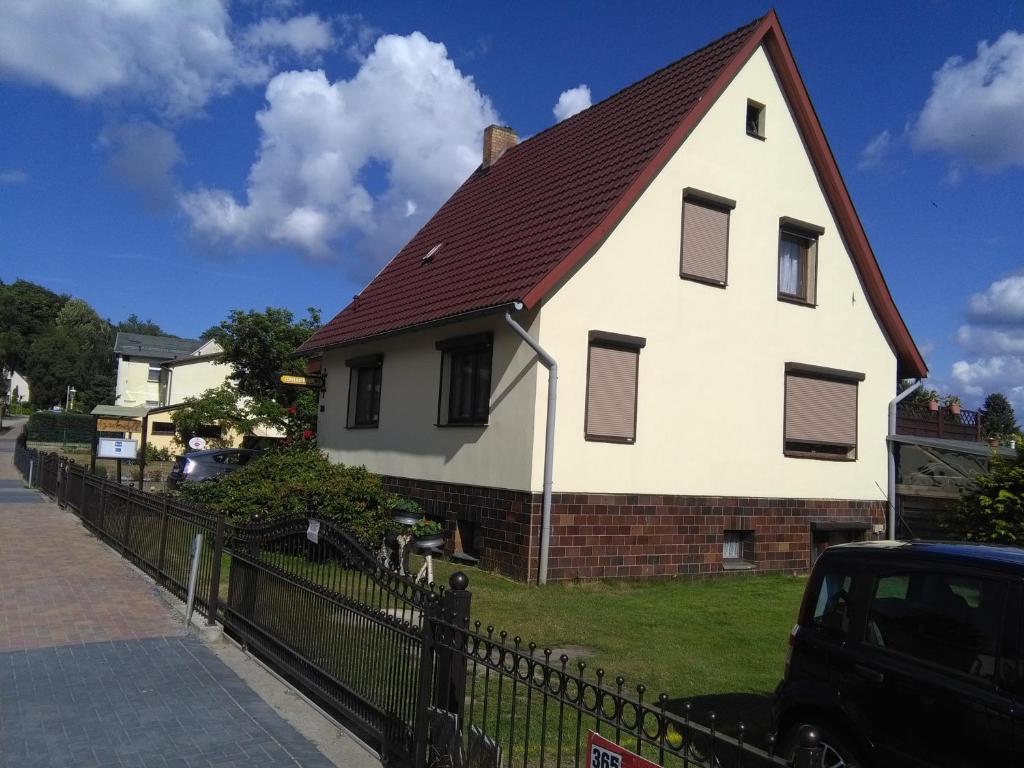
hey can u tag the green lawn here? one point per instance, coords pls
(686, 638)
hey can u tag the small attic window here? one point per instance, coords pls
(755, 119)
(429, 255)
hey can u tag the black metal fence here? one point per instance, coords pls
(398, 661)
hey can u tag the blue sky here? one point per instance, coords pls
(178, 160)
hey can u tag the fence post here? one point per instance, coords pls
(127, 522)
(450, 682)
(218, 550)
(977, 426)
(31, 469)
(163, 543)
(809, 753)
(57, 484)
(102, 507)
(424, 690)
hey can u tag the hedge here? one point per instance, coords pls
(57, 427)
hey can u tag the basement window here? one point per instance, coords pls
(755, 119)
(737, 550)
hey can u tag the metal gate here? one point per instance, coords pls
(322, 609)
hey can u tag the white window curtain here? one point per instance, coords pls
(790, 271)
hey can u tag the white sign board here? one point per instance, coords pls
(197, 444)
(116, 448)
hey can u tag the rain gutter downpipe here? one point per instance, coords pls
(892, 453)
(549, 437)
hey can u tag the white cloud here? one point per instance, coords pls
(1000, 373)
(13, 176)
(172, 56)
(572, 101)
(1002, 302)
(305, 35)
(993, 340)
(976, 108)
(408, 117)
(143, 156)
(876, 151)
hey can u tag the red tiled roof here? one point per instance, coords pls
(512, 231)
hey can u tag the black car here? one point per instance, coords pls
(197, 466)
(909, 654)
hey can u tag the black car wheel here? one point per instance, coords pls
(839, 753)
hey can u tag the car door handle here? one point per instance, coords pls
(867, 672)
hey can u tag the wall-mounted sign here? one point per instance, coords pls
(197, 444)
(118, 425)
(311, 381)
(114, 448)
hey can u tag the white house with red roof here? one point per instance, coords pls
(684, 258)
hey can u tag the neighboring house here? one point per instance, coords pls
(139, 360)
(726, 345)
(184, 377)
(17, 387)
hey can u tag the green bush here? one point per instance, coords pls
(992, 509)
(54, 427)
(157, 454)
(299, 481)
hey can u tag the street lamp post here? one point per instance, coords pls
(69, 400)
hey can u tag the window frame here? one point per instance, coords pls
(154, 368)
(759, 130)
(620, 342)
(715, 202)
(824, 374)
(356, 366)
(160, 428)
(810, 234)
(478, 345)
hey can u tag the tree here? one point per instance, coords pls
(26, 311)
(220, 407)
(260, 346)
(992, 510)
(998, 416)
(133, 324)
(53, 363)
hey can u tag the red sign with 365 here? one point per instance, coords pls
(602, 753)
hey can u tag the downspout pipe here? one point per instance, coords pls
(549, 438)
(892, 453)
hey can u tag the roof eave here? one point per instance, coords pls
(308, 350)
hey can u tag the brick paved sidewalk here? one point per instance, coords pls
(96, 672)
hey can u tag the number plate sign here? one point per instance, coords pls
(602, 753)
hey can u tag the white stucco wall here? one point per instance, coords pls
(407, 442)
(191, 379)
(15, 381)
(711, 381)
(132, 386)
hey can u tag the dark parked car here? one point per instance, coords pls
(910, 654)
(197, 466)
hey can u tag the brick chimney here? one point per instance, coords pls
(497, 139)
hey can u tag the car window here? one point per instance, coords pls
(231, 459)
(944, 618)
(219, 458)
(832, 604)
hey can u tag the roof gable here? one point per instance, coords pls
(515, 230)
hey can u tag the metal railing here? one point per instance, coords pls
(398, 661)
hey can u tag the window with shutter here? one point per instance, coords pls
(821, 415)
(613, 365)
(704, 251)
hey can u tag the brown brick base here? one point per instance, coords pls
(599, 536)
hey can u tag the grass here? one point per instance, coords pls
(685, 638)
